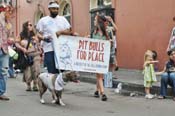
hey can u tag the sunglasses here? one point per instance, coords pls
(29, 24)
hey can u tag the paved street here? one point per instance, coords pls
(79, 102)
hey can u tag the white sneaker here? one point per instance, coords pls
(17, 71)
(61, 103)
(149, 96)
(42, 101)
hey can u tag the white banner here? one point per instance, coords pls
(82, 54)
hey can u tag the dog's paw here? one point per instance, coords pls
(42, 101)
(53, 101)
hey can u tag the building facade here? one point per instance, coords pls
(142, 24)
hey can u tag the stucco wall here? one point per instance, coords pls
(143, 24)
(26, 11)
(81, 16)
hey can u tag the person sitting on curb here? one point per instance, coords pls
(168, 75)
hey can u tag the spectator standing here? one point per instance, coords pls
(28, 45)
(5, 31)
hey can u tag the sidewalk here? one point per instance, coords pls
(132, 81)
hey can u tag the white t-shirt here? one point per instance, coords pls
(48, 26)
(47, 79)
(59, 83)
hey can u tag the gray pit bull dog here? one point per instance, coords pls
(54, 83)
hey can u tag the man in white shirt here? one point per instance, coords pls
(48, 27)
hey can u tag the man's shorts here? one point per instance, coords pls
(50, 62)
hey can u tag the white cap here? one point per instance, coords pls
(53, 5)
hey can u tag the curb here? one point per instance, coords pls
(129, 87)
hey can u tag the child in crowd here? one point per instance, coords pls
(149, 73)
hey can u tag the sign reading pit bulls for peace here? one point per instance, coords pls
(82, 54)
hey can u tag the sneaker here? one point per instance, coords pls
(17, 71)
(161, 97)
(149, 96)
(60, 102)
(5, 98)
(96, 94)
(104, 97)
(116, 68)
